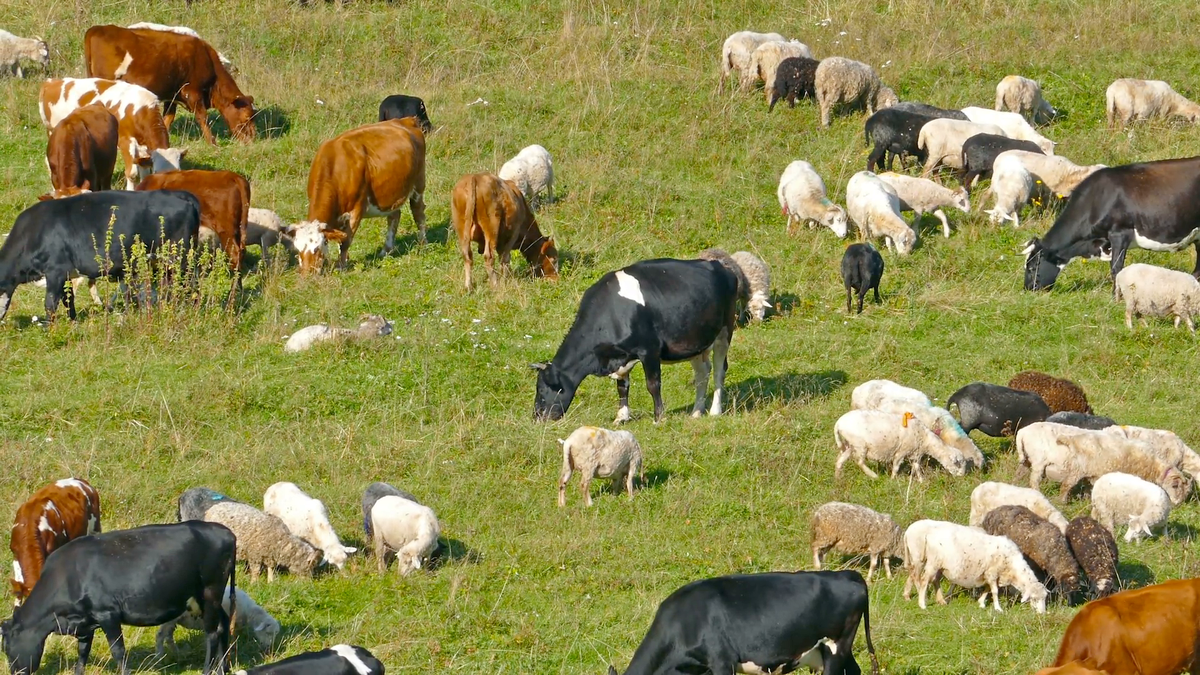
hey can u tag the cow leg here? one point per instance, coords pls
(1120, 245)
(653, 368)
(389, 242)
(489, 262)
(216, 628)
(623, 398)
(720, 365)
(195, 102)
(416, 202)
(116, 644)
(700, 369)
(352, 229)
(56, 293)
(85, 649)
(169, 113)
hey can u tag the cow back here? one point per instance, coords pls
(83, 147)
(54, 515)
(224, 199)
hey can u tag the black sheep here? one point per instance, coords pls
(862, 268)
(1094, 548)
(895, 133)
(996, 410)
(1082, 420)
(930, 111)
(794, 79)
(980, 151)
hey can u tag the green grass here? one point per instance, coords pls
(650, 161)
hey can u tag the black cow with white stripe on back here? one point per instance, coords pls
(654, 311)
(337, 660)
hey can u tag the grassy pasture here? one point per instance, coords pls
(650, 161)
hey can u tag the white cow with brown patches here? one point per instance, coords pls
(54, 515)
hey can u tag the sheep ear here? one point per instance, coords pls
(350, 549)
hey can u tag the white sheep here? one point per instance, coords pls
(267, 229)
(1128, 99)
(14, 48)
(182, 30)
(891, 438)
(874, 206)
(1024, 97)
(599, 453)
(1122, 499)
(1011, 188)
(758, 274)
(737, 52)
(1060, 175)
(921, 195)
(248, 615)
(968, 557)
(802, 198)
(1149, 290)
(372, 325)
(856, 530)
(1014, 126)
(765, 60)
(307, 518)
(532, 170)
(873, 393)
(887, 396)
(1166, 445)
(942, 139)
(406, 527)
(991, 495)
(842, 81)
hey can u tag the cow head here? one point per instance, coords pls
(554, 393)
(69, 191)
(1041, 266)
(310, 239)
(547, 256)
(239, 114)
(22, 647)
(167, 159)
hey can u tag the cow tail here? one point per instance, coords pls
(469, 214)
(233, 595)
(87, 55)
(867, 632)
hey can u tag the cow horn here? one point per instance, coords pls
(1030, 246)
(538, 366)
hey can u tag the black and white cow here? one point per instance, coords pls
(654, 311)
(758, 624)
(145, 576)
(91, 234)
(398, 106)
(1150, 205)
(337, 660)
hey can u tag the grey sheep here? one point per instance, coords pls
(758, 276)
(195, 502)
(1096, 550)
(1043, 544)
(856, 530)
(375, 492)
(264, 541)
(1082, 420)
(842, 81)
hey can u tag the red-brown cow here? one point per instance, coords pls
(53, 516)
(224, 205)
(492, 212)
(82, 152)
(176, 68)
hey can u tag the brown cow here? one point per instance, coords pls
(1148, 631)
(82, 152)
(176, 68)
(53, 516)
(366, 172)
(224, 205)
(492, 212)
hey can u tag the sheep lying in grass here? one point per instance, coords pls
(1122, 499)
(406, 527)
(13, 49)
(764, 62)
(842, 81)
(264, 541)
(599, 453)
(1128, 99)
(737, 52)
(249, 616)
(1024, 97)
(1149, 290)
(758, 275)
(372, 325)
(1096, 550)
(1043, 544)
(942, 141)
(991, 495)
(874, 206)
(921, 195)
(1059, 394)
(802, 198)
(856, 530)
(1014, 126)
(892, 439)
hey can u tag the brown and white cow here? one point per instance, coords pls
(82, 152)
(492, 212)
(224, 205)
(366, 172)
(176, 68)
(53, 516)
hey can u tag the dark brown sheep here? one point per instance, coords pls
(1043, 544)
(1094, 548)
(1061, 395)
(795, 78)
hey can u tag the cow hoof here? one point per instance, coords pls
(697, 414)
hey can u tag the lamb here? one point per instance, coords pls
(970, 558)
(195, 502)
(375, 492)
(406, 527)
(1023, 96)
(990, 495)
(1165, 445)
(875, 207)
(862, 268)
(895, 134)
(599, 453)
(1043, 544)
(1011, 188)
(758, 274)
(248, 613)
(979, 154)
(920, 195)
(764, 62)
(1122, 499)
(856, 530)
(372, 325)
(942, 141)
(996, 411)
(888, 437)
(1014, 126)
(737, 52)
(795, 78)
(13, 49)
(1149, 290)
(183, 30)
(306, 518)
(264, 540)
(1059, 394)
(1093, 422)
(1059, 174)
(930, 110)
(532, 171)
(842, 81)
(266, 229)
(1128, 99)
(802, 198)
(1096, 550)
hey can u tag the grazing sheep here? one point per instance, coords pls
(970, 558)
(979, 154)
(996, 411)
(758, 274)
(1060, 175)
(1096, 550)
(308, 519)
(930, 110)
(1122, 499)
(1127, 100)
(182, 30)
(375, 492)
(1165, 445)
(921, 195)
(737, 52)
(599, 453)
(406, 527)
(842, 81)
(266, 229)
(13, 49)
(1059, 394)
(856, 530)
(942, 141)
(1043, 544)
(891, 438)
(248, 614)
(371, 326)
(1014, 126)
(887, 396)
(764, 62)
(1081, 420)
(802, 198)
(874, 394)
(264, 540)
(1011, 188)
(795, 78)
(895, 134)
(991, 495)
(1023, 96)
(1149, 290)
(195, 502)
(721, 256)
(532, 170)
(874, 206)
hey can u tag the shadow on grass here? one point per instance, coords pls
(452, 551)
(655, 478)
(272, 122)
(782, 304)
(787, 388)
(406, 241)
(1179, 532)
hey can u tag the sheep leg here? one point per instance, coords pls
(871, 567)
(562, 484)
(937, 582)
(945, 223)
(585, 486)
(1068, 484)
(887, 564)
(700, 369)
(270, 573)
(841, 460)
(862, 464)
(381, 547)
(995, 595)
(629, 482)
(908, 584)
(817, 558)
(848, 300)
(1129, 319)
(877, 298)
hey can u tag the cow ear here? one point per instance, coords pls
(335, 235)
(539, 366)
(183, 153)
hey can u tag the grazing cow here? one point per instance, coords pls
(366, 172)
(337, 660)
(140, 126)
(1150, 205)
(653, 311)
(1148, 631)
(146, 576)
(177, 68)
(55, 238)
(224, 205)
(54, 515)
(758, 623)
(399, 106)
(82, 152)
(493, 213)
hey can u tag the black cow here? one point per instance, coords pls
(195, 502)
(995, 410)
(398, 106)
(758, 623)
(53, 238)
(654, 311)
(1150, 205)
(895, 133)
(146, 576)
(375, 492)
(980, 151)
(337, 660)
